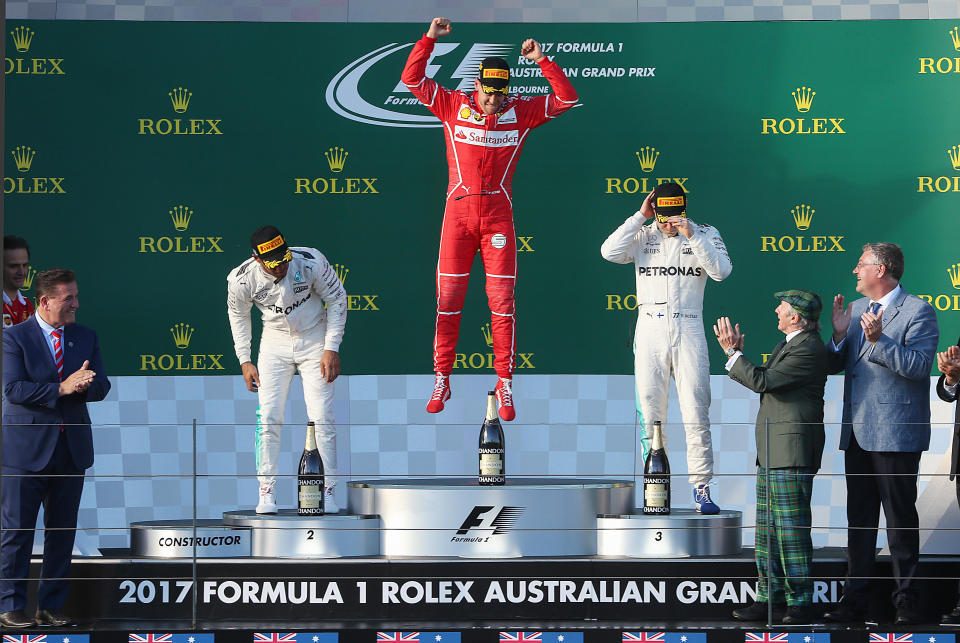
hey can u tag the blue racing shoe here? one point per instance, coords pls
(702, 501)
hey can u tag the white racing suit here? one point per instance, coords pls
(297, 329)
(671, 273)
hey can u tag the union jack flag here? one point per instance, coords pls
(275, 637)
(398, 637)
(24, 638)
(768, 637)
(150, 638)
(644, 637)
(886, 637)
(521, 637)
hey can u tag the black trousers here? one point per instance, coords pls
(875, 479)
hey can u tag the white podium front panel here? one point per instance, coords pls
(289, 535)
(682, 533)
(458, 517)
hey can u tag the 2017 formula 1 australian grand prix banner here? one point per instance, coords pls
(143, 155)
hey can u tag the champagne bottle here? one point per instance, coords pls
(492, 452)
(656, 476)
(310, 478)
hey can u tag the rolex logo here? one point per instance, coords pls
(341, 271)
(955, 37)
(28, 280)
(954, 272)
(336, 158)
(181, 334)
(22, 37)
(954, 154)
(803, 97)
(180, 98)
(23, 157)
(802, 216)
(180, 215)
(943, 183)
(648, 158)
(487, 334)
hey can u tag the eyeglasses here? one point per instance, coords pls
(860, 264)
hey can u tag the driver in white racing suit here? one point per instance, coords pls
(673, 260)
(290, 287)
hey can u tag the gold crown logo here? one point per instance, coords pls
(22, 37)
(648, 158)
(336, 158)
(803, 97)
(341, 271)
(955, 37)
(181, 334)
(23, 157)
(487, 334)
(802, 215)
(180, 98)
(954, 154)
(180, 214)
(954, 272)
(28, 280)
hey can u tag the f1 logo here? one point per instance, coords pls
(480, 517)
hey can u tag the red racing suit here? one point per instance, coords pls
(482, 153)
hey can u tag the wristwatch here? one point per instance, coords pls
(731, 351)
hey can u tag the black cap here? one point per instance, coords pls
(669, 200)
(494, 75)
(270, 247)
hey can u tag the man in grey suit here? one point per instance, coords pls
(886, 359)
(790, 385)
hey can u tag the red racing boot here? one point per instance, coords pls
(504, 393)
(441, 393)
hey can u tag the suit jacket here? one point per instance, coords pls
(791, 386)
(886, 386)
(955, 453)
(32, 408)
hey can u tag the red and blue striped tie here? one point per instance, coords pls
(58, 354)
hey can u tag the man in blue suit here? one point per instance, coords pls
(51, 369)
(886, 359)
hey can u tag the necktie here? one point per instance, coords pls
(58, 354)
(58, 351)
(873, 308)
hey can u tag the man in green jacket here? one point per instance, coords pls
(790, 439)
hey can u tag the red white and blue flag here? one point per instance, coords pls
(912, 637)
(664, 637)
(554, 636)
(295, 637)
(139, 637)
(46, 638)
(788, 637)
(418, 637)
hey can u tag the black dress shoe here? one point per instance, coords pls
(953, 618)
(16, 618)
(908, 616)
(758, 612)
(800, 615)
(843, 613)
(56, 618)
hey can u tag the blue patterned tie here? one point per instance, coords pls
(873, 308)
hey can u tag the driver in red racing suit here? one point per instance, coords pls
(484, 131)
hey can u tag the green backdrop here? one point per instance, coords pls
(874, 157)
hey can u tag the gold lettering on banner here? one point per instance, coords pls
(803, 101)
(180, 102)
(943, 183)
(477, 361)
(947, 301)
(23, 156)
(18, 66)
(182, 333)
(336, 160)
(180, 216)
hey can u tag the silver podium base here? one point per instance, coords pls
(288, 535)
(177, 539)
(458, 517)
(681, 534)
